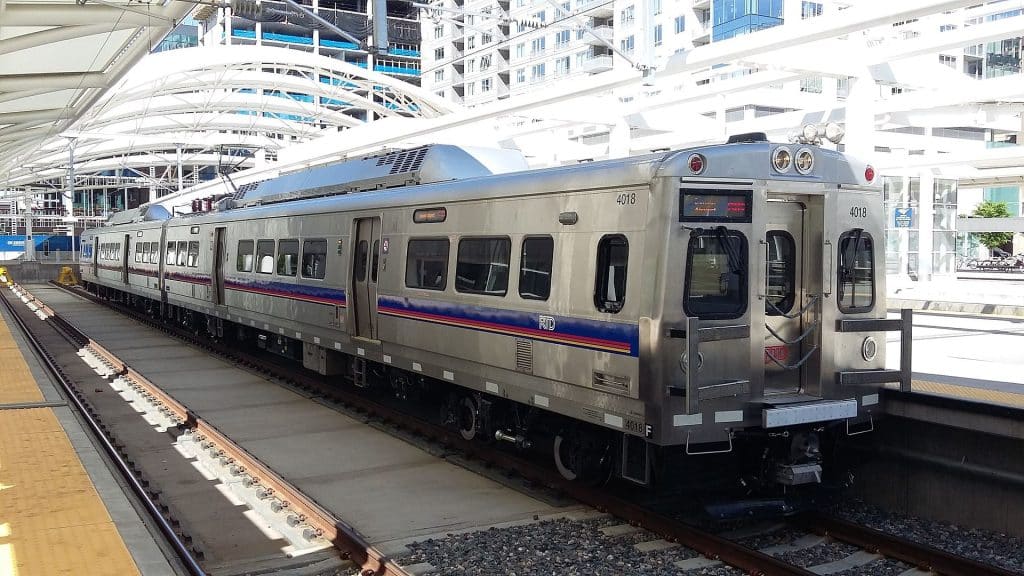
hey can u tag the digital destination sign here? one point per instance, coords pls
(714, 206)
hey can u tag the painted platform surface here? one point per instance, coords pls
(386, 488)
(52, 520)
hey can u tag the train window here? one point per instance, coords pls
(482, 266)
(716, 275)
(610, 284)
(151, 252)
(781, 273)
(243, 263)
(314, 259)
(375, 256)
(426, 265)
(193, 254)
(140, 250)
(856, 289)
(265, 256)
(535, 268)
(288, 257)
(360, 263)
(182, 253)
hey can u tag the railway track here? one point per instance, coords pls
(748, 560)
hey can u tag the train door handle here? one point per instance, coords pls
(763, 288)
(828, 271)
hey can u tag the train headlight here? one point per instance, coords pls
(782, 158)
(804, 162)
(869, 348)
(810, 133)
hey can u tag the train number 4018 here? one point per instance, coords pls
(859, 212)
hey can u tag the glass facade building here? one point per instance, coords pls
(736, 17)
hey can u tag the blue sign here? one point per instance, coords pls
(903, 217)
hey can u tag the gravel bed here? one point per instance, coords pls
(551, 547)
(828, 551)
(884, 567)
(781, 535)
(984, 546)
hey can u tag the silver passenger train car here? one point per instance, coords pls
(678, 302)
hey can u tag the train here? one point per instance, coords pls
(623, 314)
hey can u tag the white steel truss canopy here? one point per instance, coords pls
(58, 56)
(190, 106)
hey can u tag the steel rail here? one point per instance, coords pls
(339, 533)
(189, 561)
(920, 555)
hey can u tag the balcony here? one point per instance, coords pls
(597, 64)
(594, 8)
(605, 33)
(701, 4)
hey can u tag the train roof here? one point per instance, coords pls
(438, 180)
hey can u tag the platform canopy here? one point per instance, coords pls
(58, 56)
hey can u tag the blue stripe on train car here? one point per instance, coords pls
(305, 293)
(614, 337)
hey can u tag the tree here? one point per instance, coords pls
(989, 209)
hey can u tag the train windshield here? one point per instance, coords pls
(856, 272)
(716, 274)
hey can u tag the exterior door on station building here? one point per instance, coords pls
(365, 260)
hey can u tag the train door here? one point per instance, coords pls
(365, 259)
(124, 258)
(219, 255)
(94, 255)
(790, 317)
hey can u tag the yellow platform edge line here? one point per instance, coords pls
(17, 385)
(969, 393)
(53, 519)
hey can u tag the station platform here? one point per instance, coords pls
(61, 510)
(990, 294)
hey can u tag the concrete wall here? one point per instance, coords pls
(28, 272)
(943, 473)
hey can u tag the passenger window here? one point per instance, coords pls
(610, 284)
(314, 259)
(287, 257)
(482, 266)
(374, 257)
(535, 268)
(153, 247)
(171, 253)
(716, 275)
(193, 254)
(182, 253)
(781, 273)
(426, 265)
(243, 263)
(856, 272)
(139, 251)
(360, 263)
(265, 256)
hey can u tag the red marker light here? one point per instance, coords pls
(869, 173)
(696, 163)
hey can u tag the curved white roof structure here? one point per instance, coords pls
(58, 56)
(207, 106)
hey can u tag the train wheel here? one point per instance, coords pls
(583, 458)
(468, 417)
